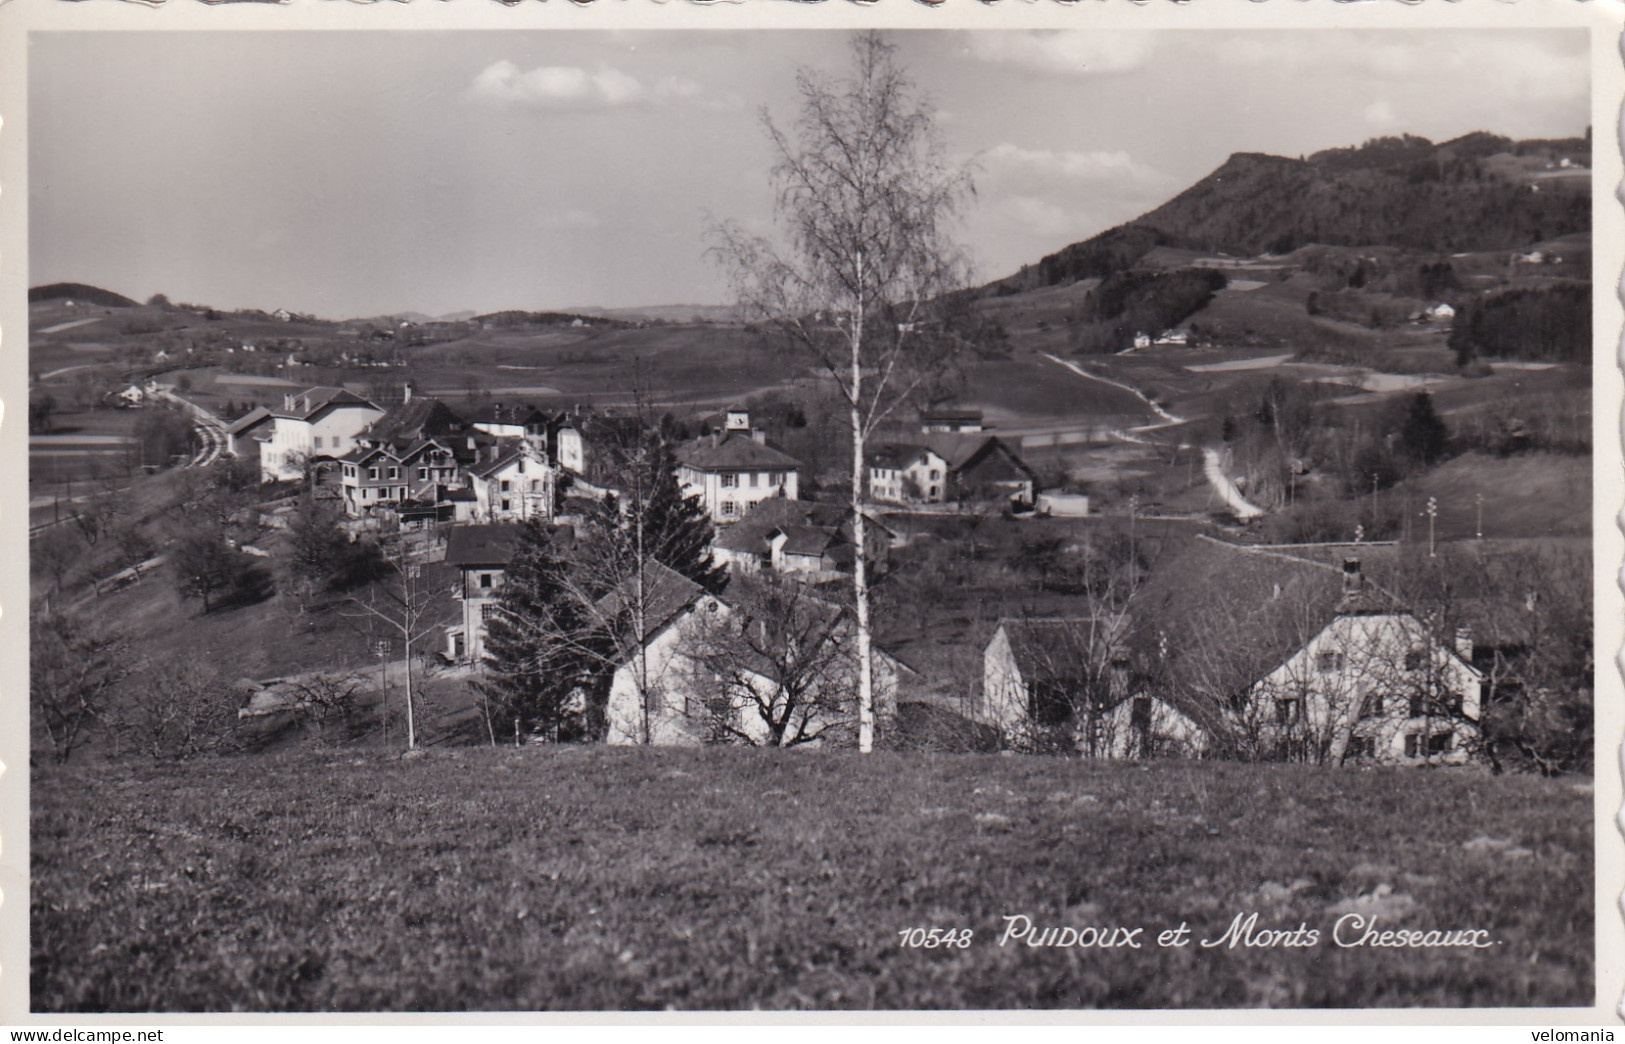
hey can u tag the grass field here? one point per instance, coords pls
(583, 878)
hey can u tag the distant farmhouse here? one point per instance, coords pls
(944, 468)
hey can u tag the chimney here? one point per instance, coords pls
(758, 436)
(1353, 581)
(1464, 643)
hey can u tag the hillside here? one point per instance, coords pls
(551, 878)
(1401, 192)
(79, 292)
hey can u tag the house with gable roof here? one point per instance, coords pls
(666, 689)
(1071, 680)
(803, 538)
(407, 455)
(1303, 657)
(316, 423)
(943, 467)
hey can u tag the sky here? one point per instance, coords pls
(367, 173)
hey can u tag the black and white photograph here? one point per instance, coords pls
(897, 517)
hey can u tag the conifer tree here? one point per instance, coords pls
(541, 649)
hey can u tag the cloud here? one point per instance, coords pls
(569, 88)
(1069, 52)
(1069, 165)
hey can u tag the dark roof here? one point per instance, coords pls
(515, 413)
(753, 529)
(311, 401)
(1058, 648)
(951, 413)
(966, 451)
(666, 593)
(412, 422)
(258, 415)
(808, 540)
(487, 544)
(733, 451)
(895, 455)
(502, 461)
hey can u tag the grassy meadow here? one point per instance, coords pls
(549, 878)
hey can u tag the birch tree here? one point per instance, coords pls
(863, 265)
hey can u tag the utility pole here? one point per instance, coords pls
(1478, 534)
(1432, 514)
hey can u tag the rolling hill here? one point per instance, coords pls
(1476, 193)
(79, 292)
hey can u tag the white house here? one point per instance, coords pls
(907, 474)
(1069, 681)
(1373, 683)
(316, 422)
(515, 486)
(734, 469)
(668, 689)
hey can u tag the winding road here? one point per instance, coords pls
(1240, 506)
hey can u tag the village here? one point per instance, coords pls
(1338, 668)
(470, 570)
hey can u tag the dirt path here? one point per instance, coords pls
(1239, 505)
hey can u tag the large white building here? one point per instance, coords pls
(734, 469)
(314, 423)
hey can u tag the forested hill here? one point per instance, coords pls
(80, 292)
(1479, 192)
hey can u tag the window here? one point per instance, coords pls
(1286, 712)
(729, 480)
(935, 474)
(318, 442)
(486, 612)
(1361, 747)
(507, 505)
(535, 485)
(729, 509)
(349, 471)
(1373, 705)
(1414, 660)
(372, 474)
(1329, 662)
(754, 478)
(775, 478)
(506, 486)
(423, 473)
(485, 581)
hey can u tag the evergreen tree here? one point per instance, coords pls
(541, 650)
(1423, 437)
(675, 529)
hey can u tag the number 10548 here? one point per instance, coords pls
(936, 938)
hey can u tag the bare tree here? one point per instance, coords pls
(776, 671)
(326, 698)
(405, 604)
(73, 665)
(179, 708)
(866, 201)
